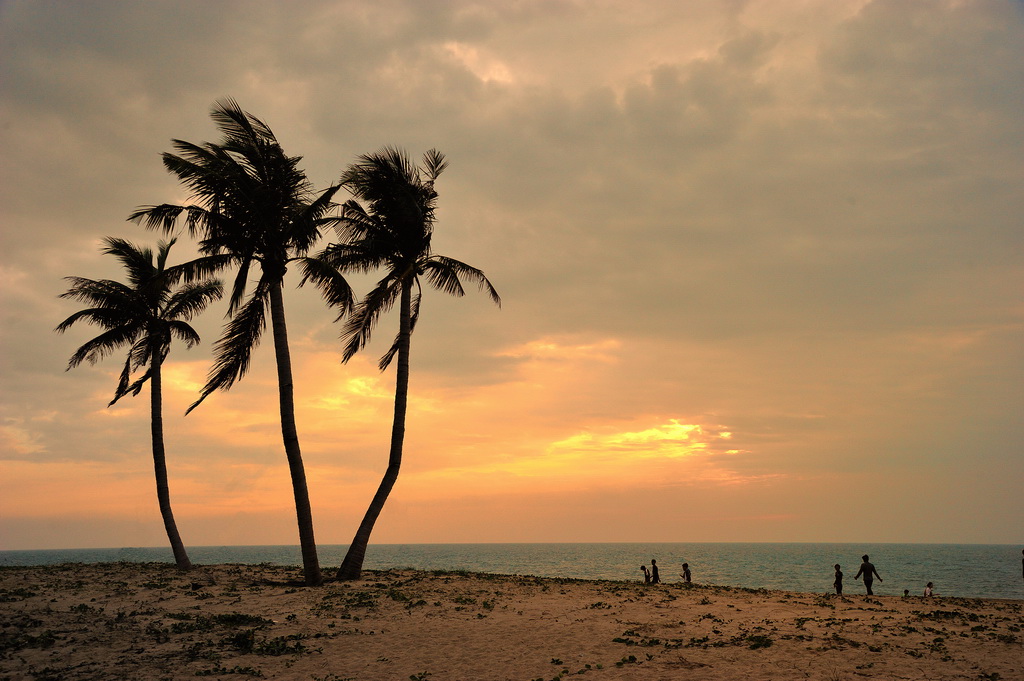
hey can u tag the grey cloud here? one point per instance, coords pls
(766, 210)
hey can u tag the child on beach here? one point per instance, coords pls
(686, 573)
(647, 575)
(928, 590)
(839, 580)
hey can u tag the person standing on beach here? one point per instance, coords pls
(928, 589)
(839, 580)
(647, 575)
(686, 573)
(869, 572)
(655, 579)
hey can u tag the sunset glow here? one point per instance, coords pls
(759, 266)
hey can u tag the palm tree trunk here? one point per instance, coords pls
(303, 511)
(163, 490)
(352, 566)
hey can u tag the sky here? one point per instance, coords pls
(760, 266)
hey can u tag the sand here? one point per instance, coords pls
(149, 621)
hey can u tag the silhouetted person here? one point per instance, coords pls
(869, 572)
(906, 593)
(655, 579)
(647, 575)
(686, 573)
(928, 589)
(839, 580)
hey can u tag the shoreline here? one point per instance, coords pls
(970, 571)
(149, 620)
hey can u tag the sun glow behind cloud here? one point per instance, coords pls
(757, 260)
(485, 67)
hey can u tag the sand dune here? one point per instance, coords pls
(149, 621)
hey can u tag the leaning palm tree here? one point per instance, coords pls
(254, 206)
(145, 314)
(392, 232)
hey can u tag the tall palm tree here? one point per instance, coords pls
(255, 207)
(145, 314)
(392, 232)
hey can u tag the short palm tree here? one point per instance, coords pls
(255, 208)
(392, 232)
(144, 314)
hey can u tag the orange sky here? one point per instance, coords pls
(759, 262)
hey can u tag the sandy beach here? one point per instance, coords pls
(149, 621)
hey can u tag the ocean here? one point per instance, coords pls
(962, 570)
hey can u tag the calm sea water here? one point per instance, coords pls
(964, 570)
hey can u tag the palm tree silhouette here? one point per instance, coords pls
(393, 232)
(255, 208)
(144, 314)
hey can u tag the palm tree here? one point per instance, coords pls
(145, 314)
(254, 207)
(393, 232)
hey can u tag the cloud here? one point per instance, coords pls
(797, 222)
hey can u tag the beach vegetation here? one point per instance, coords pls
(17, 594)
(756, 641)
(237, 669)
(246, 642)
(254, 209)
(392, 231)
(49, 673)
(628, 659)
(145, 314)
(11, 641)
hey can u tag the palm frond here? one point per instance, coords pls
(355, 224)
(161, 217)
(239, 286)
(202, 267)
(140, 355)
(434, 163)
(102, 293)
(163, 250)
(360, 256)
(184, 332)
(191, 299)
(331, 283)
(414, 315)
(233, 351)
(444, 274)
(237, 124)
(104, 318)
(312, 218)
(134, 389)
(123, 379)
(137, 260)
(359, 326)
(97, 348)
(393, 187)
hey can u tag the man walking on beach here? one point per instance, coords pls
(655, 579)
(869, 572)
